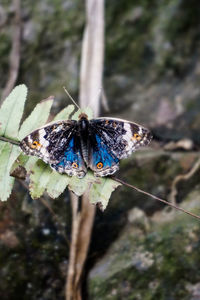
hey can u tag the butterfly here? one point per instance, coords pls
(72, 147)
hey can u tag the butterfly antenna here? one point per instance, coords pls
(68, 94)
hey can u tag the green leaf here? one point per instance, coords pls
(101, 191)
(79, 186)
(30, 163)
(40, 175)
(11, 112)
(64, 113)
(57, 184)
(20, 161)
(25, 161)
(8, 154)
(37, 118)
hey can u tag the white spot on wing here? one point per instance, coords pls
(127, 137)
(42, 140)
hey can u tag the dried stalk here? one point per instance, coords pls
(90, 84)
(70, 292)
(15, 51)
(92, 56)
(86, 224)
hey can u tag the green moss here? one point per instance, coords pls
(173, 248)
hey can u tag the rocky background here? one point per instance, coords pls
(139, 248)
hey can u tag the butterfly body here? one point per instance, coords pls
(72, 147)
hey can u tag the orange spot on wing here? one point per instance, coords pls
(74, 165)
(136, 136)
(35, 145)
(100, 165)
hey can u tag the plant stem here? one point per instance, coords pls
(4, 139)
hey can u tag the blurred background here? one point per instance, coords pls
(139, 248)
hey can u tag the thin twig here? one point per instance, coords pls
(155, 197)
(4, 139)
(172, 196)
(15, 51)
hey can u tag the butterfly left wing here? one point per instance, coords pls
(112, 140)
(57, 144)
(72, 162)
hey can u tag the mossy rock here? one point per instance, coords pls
(154, 258)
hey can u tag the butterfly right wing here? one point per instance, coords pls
(121, 137)
(111, 140)
(57, 144)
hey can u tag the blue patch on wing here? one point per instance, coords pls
(102, 155)
(70, 156)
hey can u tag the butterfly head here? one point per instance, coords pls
(83, 124)
(83, 116)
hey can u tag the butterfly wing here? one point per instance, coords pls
(112, 140)
(61, 145)
(57, 144)
(100, 157)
